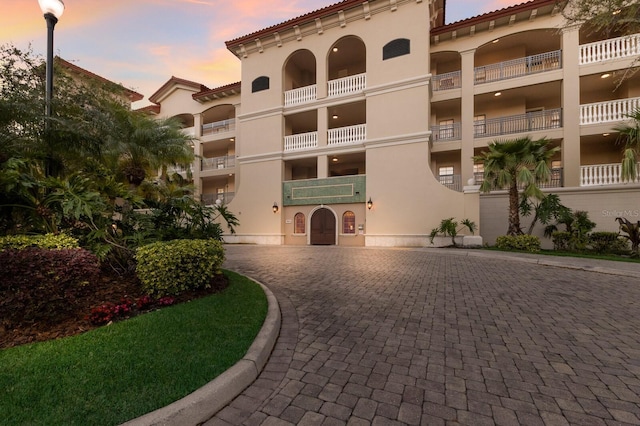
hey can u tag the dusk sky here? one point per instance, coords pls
(141, 44)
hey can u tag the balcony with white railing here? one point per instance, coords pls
(518, 67)
(521, 123)
(212, 199)
(189, 131)
(446, 132)
(301, 141)
(219, 127)
(300, 95)
(347, 135)
(346, 85)
(450, 80)
(614, 48)
(556, 180)
(218, 163)
(605, 174)
(608, 111)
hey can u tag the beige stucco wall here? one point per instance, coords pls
(603, 205)
(356, 239)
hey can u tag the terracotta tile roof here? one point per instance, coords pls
(217, 92)
(133, 96)
(328, 10)
(151, 109)
(489, 16)
(173, 81)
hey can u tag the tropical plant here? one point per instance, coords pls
(629, 135)
(633, 234)
(544, 211)
(516, 163)
(577, 227)
(449, 227)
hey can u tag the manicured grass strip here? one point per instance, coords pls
(118, 372)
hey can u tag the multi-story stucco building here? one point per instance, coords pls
(356, 124)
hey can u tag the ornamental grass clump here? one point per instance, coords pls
(168, 268)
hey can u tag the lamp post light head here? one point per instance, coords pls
(52, 7)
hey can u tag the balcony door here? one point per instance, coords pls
(323, 227)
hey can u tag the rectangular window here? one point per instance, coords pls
(299, 224)
(446, 129)
(479, 125)
(445, 175)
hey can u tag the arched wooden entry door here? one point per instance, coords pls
(323, 227)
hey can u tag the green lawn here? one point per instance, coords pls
(118, 372)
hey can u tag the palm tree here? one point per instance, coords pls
(630, 136)
(516, 163)
(140, 145)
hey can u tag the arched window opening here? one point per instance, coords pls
(349, 222)
(299, 224)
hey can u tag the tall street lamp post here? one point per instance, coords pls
(52, 10)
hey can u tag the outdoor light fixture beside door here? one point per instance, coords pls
(275, 207)
(369, 204)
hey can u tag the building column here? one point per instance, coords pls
(467, 112)
(323, 126)
(323, 166)
(571, 106)
(197, 150)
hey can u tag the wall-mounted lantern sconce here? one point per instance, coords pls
(369, 203)
(275, 207)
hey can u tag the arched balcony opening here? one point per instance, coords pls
(187, 122)
(300, 78)
(218, 119)
(347, 66)
(518, 55)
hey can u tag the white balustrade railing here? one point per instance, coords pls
(214, 163)
(345, 85)
(301, 141)
(605, 174)
(347, 135)
(219, 126)
(450, 80)
(614, 48)
(218, 198)
(300, 95)
(189, 131)
(605, 112)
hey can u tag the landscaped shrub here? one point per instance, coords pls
(561, 240)
(172, 267)
(44, 285)
(47, 241)
(607, 242)
(529, 243)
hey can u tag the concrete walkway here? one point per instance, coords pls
(434, 337)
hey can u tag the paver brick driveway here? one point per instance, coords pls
(400, 336)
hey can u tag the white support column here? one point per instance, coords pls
(466, 114)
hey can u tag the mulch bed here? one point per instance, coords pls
(111, 288)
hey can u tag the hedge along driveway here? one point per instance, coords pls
(119, 372)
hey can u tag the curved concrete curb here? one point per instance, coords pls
(205, 402)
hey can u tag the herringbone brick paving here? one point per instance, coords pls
(423, 337)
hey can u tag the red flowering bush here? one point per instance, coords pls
(108, 312)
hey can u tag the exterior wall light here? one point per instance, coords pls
(369, 204)
(275, 207)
